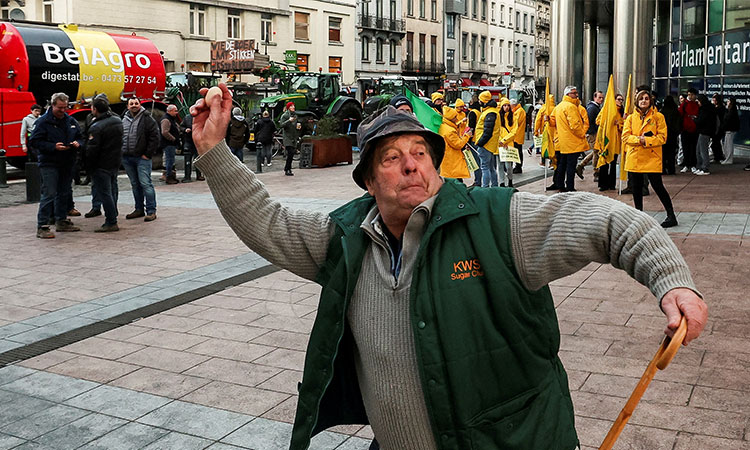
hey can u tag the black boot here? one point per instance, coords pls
(670, 221)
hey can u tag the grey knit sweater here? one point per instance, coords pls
(585, 228)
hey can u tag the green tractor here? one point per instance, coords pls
(387, 87)
(315, 95)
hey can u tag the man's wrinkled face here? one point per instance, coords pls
(172, 111)
(573, 94)
(134, 105)
(59, 108)
(403, 173)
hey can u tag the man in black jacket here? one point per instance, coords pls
(264, 131)
(140, 140)
(56, 137)
(170, 140)
(103, 156)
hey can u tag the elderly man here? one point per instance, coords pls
(435, 324)
(56, 137)
(170, 140)
(571, 123)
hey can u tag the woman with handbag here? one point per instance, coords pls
(643, 134)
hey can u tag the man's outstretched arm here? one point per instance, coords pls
(556, 236)
(292, 239)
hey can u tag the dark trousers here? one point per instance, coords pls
(478, 172)
(657, 184)
(668, 154)
(189, 153)
(566, 170)
(56, 189)
(105, 183)
(608, 175)
(716, 147)
(266, 152)
(689, 144)
(290, 149)
(557, 173)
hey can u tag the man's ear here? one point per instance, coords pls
(370, 186)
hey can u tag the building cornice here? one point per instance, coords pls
(237, 5)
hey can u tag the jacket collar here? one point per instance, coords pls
(576, 101)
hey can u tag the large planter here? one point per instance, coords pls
(325, 151)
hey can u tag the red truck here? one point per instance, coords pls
(38, 60)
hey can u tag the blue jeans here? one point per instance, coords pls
(56, 190)
(96, 202)
(488, 163)
(107, 193)
(169, 152)
(139, 172)
(239, 153)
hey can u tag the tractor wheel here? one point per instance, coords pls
(349, 114)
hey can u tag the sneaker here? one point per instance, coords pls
(268, 165)
(66, 225)
(74, 213)
(135, 214)
(727, 162)
(93, 213)
(685, 169)
(44, 232)
(200, 178)
(187, 180)
(150, 217)
(702, 172)
(517, 169)
(747, 168)
(579, 171)
(670, 221)
(171, 180)
(695, 170)
(107, 228)
(289, 173)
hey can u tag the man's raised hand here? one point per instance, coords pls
(211, 118)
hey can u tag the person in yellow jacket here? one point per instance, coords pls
(454, 164)
(437, 101)
(571, 123)
(519, 118)
(461, 110)
(506, 126)
(643, 134)
(486, 139)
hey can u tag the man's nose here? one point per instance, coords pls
(409, 163)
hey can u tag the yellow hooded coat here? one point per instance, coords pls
(507, 132)
(519, 121)
(571, 123)
(644, 158)
(454, 164)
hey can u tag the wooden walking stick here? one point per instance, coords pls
(667, 351)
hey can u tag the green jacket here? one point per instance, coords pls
(289, 129)
(486, 347)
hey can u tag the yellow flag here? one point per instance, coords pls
(607, 135)
(628, 111)
(548, 133)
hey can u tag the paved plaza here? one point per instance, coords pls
(173, 335)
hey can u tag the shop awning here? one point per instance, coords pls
(466, 82)
(484, 82)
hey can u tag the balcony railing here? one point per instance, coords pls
(381, 23)
(542, 52)
(422, 66)
(542, 22)
(455, 6)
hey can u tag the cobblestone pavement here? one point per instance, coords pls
(220, 370)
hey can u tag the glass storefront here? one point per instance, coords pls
(705, 44)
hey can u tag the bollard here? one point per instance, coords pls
(33, 182)
(3, 170)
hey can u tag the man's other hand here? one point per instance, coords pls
(684, 302)
(210, 122)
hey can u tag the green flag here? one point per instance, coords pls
(426, 115)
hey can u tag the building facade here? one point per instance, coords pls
(380, 34)
(322, 32)
(541, 47)
(423, 54)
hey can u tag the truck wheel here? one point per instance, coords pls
(349, 113)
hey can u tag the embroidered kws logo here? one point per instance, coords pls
(467, 268)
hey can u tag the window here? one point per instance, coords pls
(301, 24)
(483, 49)
(334, 29)
(450, 26)
(433, 9)
(421, 8)
(409, 8)
(515, 57)
(474, 8)
(392, 51)
(334, 64)
(492, 12)
(47, 10)
(500, 53)
(393, 10)
(433, 50)
(302, 62)
(523, 63)
(422, 49)
(365, 48)
(531, 27)
(197, 20)
(379, 50)
(510, 17)
(492, 51)
(233, 24)
(365, 9)
(450, 61)
(465, 46)
(484, 10)
(525, 22)
(266, 28)
(410, 47)
(518, 21)
(379, 9)
(510, 53)
(473, 47)
(502, 14)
